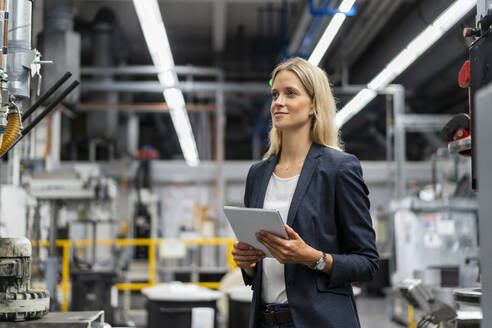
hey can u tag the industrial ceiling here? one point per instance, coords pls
(246, 38)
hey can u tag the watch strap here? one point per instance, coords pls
(321, 261)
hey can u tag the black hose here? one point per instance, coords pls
(50, 107)
(47, 110)
(46, 95)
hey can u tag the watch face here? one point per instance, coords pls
(321, 263)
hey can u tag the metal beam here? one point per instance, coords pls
(424, 122)
(142, 107)
(149, 70)
(156, 87)
(203, 87)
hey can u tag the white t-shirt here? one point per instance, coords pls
(278, 196)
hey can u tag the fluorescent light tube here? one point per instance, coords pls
(174, 98)
(353, 106)
(406, 57)
(330, 33)
(154, 31)
(168, 78)
(185, 135)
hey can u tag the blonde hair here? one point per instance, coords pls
(315, 81)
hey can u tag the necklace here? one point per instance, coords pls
(288, 166)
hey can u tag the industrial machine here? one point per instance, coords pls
(437, 313)
(470, 135)
(18, 63)
(17, 301)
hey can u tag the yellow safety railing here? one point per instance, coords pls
(411, 321)
(150, 243)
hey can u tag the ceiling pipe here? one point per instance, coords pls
(105, 124)
(58, 15)
(368, 25)
(19, 48)
(375, 58)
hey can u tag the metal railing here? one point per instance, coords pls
(150, 243)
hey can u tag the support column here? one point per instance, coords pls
(483, 116)
(399, 144)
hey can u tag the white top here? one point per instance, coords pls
(278, 196)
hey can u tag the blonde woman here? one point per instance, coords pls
(321, 196)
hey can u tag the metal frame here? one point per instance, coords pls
(402, 123)
(405, 123)
(483, 116)
(216, 89)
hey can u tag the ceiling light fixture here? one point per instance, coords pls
(405, 58)
(330, 33)
(150, 18)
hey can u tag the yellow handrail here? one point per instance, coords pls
(65, 244)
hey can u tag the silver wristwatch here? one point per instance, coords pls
(320, 265)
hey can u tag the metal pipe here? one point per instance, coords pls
(46, 95)
(220, 128)
(47, 110)
(5, 35)
(148, 70)
(3, 31)
(19, 51)
(58, 15)
(105, 125)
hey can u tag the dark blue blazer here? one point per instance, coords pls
(330, 211)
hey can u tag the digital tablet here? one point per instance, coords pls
(245, 222)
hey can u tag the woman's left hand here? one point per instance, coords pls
(293, 250)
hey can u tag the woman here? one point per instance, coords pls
(320, 194)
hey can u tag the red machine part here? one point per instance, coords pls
(464, 78)
(461, 134)
(464, 75)
(147, 153)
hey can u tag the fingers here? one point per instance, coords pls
(276, 252)
(274, 247)
(245, 255)
(248, 258)
(247, 261)
(241, 245)
(291, 233)
(267, 237)
(246, 251)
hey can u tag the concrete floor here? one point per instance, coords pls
(375, 313)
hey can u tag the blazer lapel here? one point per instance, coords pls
(263, 182)
(304, 180)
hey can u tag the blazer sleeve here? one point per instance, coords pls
(359, 261)
(247, 203)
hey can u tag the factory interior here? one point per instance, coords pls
(126, 126)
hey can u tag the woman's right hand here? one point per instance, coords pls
(246, 257)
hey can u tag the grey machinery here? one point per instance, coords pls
(17, 301)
